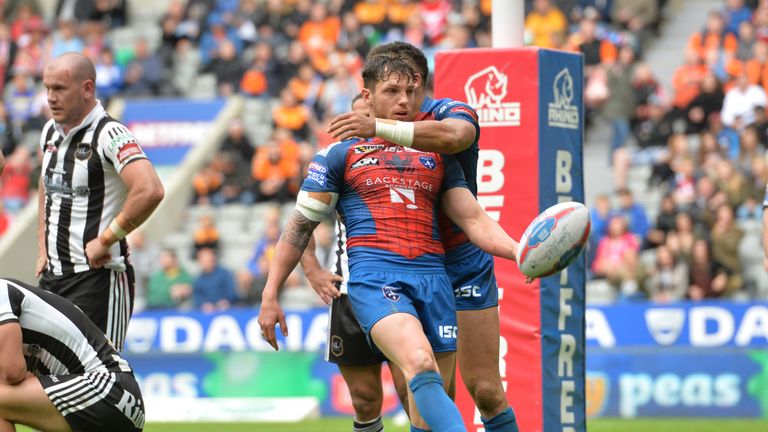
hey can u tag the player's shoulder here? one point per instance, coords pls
(339, 147)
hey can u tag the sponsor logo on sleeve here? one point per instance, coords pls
(367, 148)
(316, 173)
(128, 152)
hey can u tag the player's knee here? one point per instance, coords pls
(418, 361)
(366, 401)
(488, 396)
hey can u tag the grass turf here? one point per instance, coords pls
(594, 425)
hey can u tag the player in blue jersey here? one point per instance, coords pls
(386, 196)
(451, 127)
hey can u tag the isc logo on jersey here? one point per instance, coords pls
(485, 91)
(561, 112)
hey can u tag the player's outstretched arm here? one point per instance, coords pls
(322, 281)
(288, 252)
(449, 136)
(463, 209)
(13, 368)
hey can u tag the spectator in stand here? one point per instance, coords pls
(620, 105)
(665, 222)
(237, 184)
(145, 74)
(307, 86)
(237, 144)
(710, 154)
(206, 235)
(708, 100)
(726, 239)
(227, 68)
(7, 54)
(749, 149)
(289, 114)
(319, 32)
(734, 14)
(707, 278)
(758, 178)
(544, 23)
(340, 90)
(212, 40)
(686, 81)
(65, 39)
(15, 181)
(599, 216)
(740, 102)
(171, 285)
(703, 209)
(633, 213)
(629, 282)
(649, 93)
(747, 42)
(612, 249)
(636, 16)
(596, 51)
(371, 14)
(713, 38)
(252, 279)
(686, 233)
(31, 54)
(206, 183)
(351, 35)
(109, 76)
(733, 183)
(263, 76)
(214, 288)
(434, 14)
(684, 183)
(275, 169)
(668, 280)
(20, 96)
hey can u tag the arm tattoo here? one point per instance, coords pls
(299, 230)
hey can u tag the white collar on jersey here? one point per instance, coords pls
(96, 113)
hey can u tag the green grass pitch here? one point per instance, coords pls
(596, 425)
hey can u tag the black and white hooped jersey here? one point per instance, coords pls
(83, 188)
(58, 338)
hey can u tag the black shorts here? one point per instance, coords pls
(97, 402)
(347, 343)
(104, 295)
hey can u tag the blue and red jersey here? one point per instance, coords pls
(440, 109)
(388, 200)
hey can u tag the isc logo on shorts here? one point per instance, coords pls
(467, 291)
(447, 331)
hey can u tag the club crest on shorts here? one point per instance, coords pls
(337, 346)
(428, 162)
(390, 293)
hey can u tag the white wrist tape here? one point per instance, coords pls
(117, 230)
(313, 209)
(394, 131)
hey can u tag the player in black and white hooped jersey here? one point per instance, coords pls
(97, 186)
(58, 372)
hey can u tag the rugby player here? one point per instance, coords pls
(451, 127)
(388, 195)
(58, 372)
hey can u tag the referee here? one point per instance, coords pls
(97, 186)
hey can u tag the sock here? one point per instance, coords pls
(435, 407)
(415, 429)
(504, 421)
(375, 425)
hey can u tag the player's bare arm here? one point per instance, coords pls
(288, 252)
(13, 368)
(445, 136)
(145, 192)
(322, 281)
(42, 252)
(463, 209)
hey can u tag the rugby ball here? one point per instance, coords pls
(553, 240)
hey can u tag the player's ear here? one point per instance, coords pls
(367, 96)
(89, 89)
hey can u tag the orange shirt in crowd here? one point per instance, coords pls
(757, 73)
(317, 36)
(372, 13)
(543, 26)
(686, 83)
(702, 43)
(292, 118)
(286, 167)
(398, 13)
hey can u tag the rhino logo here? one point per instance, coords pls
(485, 91)
(486, 88)
(563, 88)
(562, 113)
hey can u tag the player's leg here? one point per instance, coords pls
(364, 383)
(478, 356)
(28, 404)
(430, 405)
(401, 385)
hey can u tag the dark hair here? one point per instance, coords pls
(404, 51)
(380, 68)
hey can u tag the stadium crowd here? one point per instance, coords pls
(700, 145)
